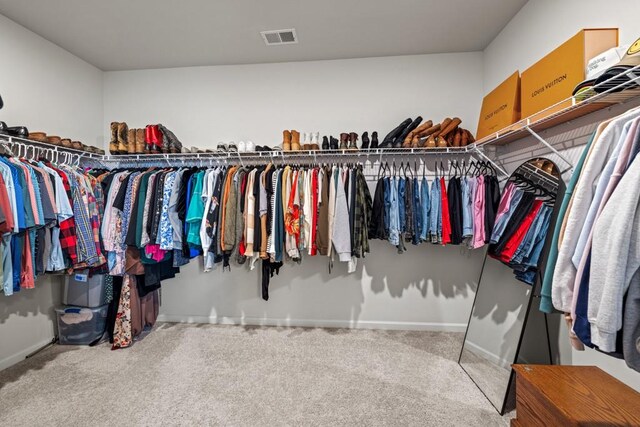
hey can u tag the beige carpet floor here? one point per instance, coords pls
(247, 376)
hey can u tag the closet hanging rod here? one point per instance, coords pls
(322, 155)
(541, 174)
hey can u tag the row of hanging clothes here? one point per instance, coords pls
(593, 272)
(156, 221)
(458, 207)
(49, 219)
(523, 219)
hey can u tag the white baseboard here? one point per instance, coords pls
(494, 358)
(20, 356)
(316, 323)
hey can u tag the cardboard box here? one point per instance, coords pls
(501, 107)
(553, 78)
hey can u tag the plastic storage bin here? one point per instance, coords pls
(81, 325)
(83, 291)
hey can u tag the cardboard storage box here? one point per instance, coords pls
(501, 107)
(553, 78)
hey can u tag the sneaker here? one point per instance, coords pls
(242, 147)
(222, 148)
(250, 146)
(233, 148)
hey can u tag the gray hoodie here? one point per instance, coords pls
(615, 259)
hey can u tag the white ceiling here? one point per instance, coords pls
(139, 34)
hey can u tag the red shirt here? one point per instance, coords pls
(514, 241)
(446, 222)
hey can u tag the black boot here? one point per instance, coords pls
(365, 141)
(400, 139)
(333, 143)
(374, 140)
(325, 143)
(388, 140)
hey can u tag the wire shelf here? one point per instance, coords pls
(22, 146)
(284, 157)
(571, 108)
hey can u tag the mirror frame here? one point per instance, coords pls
(534, 294)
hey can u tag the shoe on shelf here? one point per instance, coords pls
(374, 140)
(17, 131)
(388, 141)
(38, 136)
(221, 148)
(365, 141)
(76, 145)
(3, 127)
(174, 144)
(315, 139)
(250, 146)
(344, 141)
(242, 147)
(164, 140)
(113, 144)
(333, 143)
(123, 131)
(139, 142)
(325, 143)
(232, 147)
(131, 141)
(353, 141)
(65, 142)
(400, 139)
(295, 141)
(286, 140)
(54, 140)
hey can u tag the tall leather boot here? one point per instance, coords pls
(113, 144)
(122, 138)
(374, 140)
(295, 141)
(286, 140)
(344, 141)
(325, 143)
(147, 140)
(388, 140)
(353, 141)
(131, 141)
(156, 139)
(365, 141)
(333, 143)
(139, 141)
(164, 141)
(399, 141)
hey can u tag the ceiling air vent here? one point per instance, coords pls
(275, 37)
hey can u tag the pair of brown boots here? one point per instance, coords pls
(125, 140)
(291, 140)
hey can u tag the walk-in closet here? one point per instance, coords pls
(319, 213)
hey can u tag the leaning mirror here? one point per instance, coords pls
(503, 329)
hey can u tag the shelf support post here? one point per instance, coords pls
(549, 146)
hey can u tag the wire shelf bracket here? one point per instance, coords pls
(549, 146)
(487, 158)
